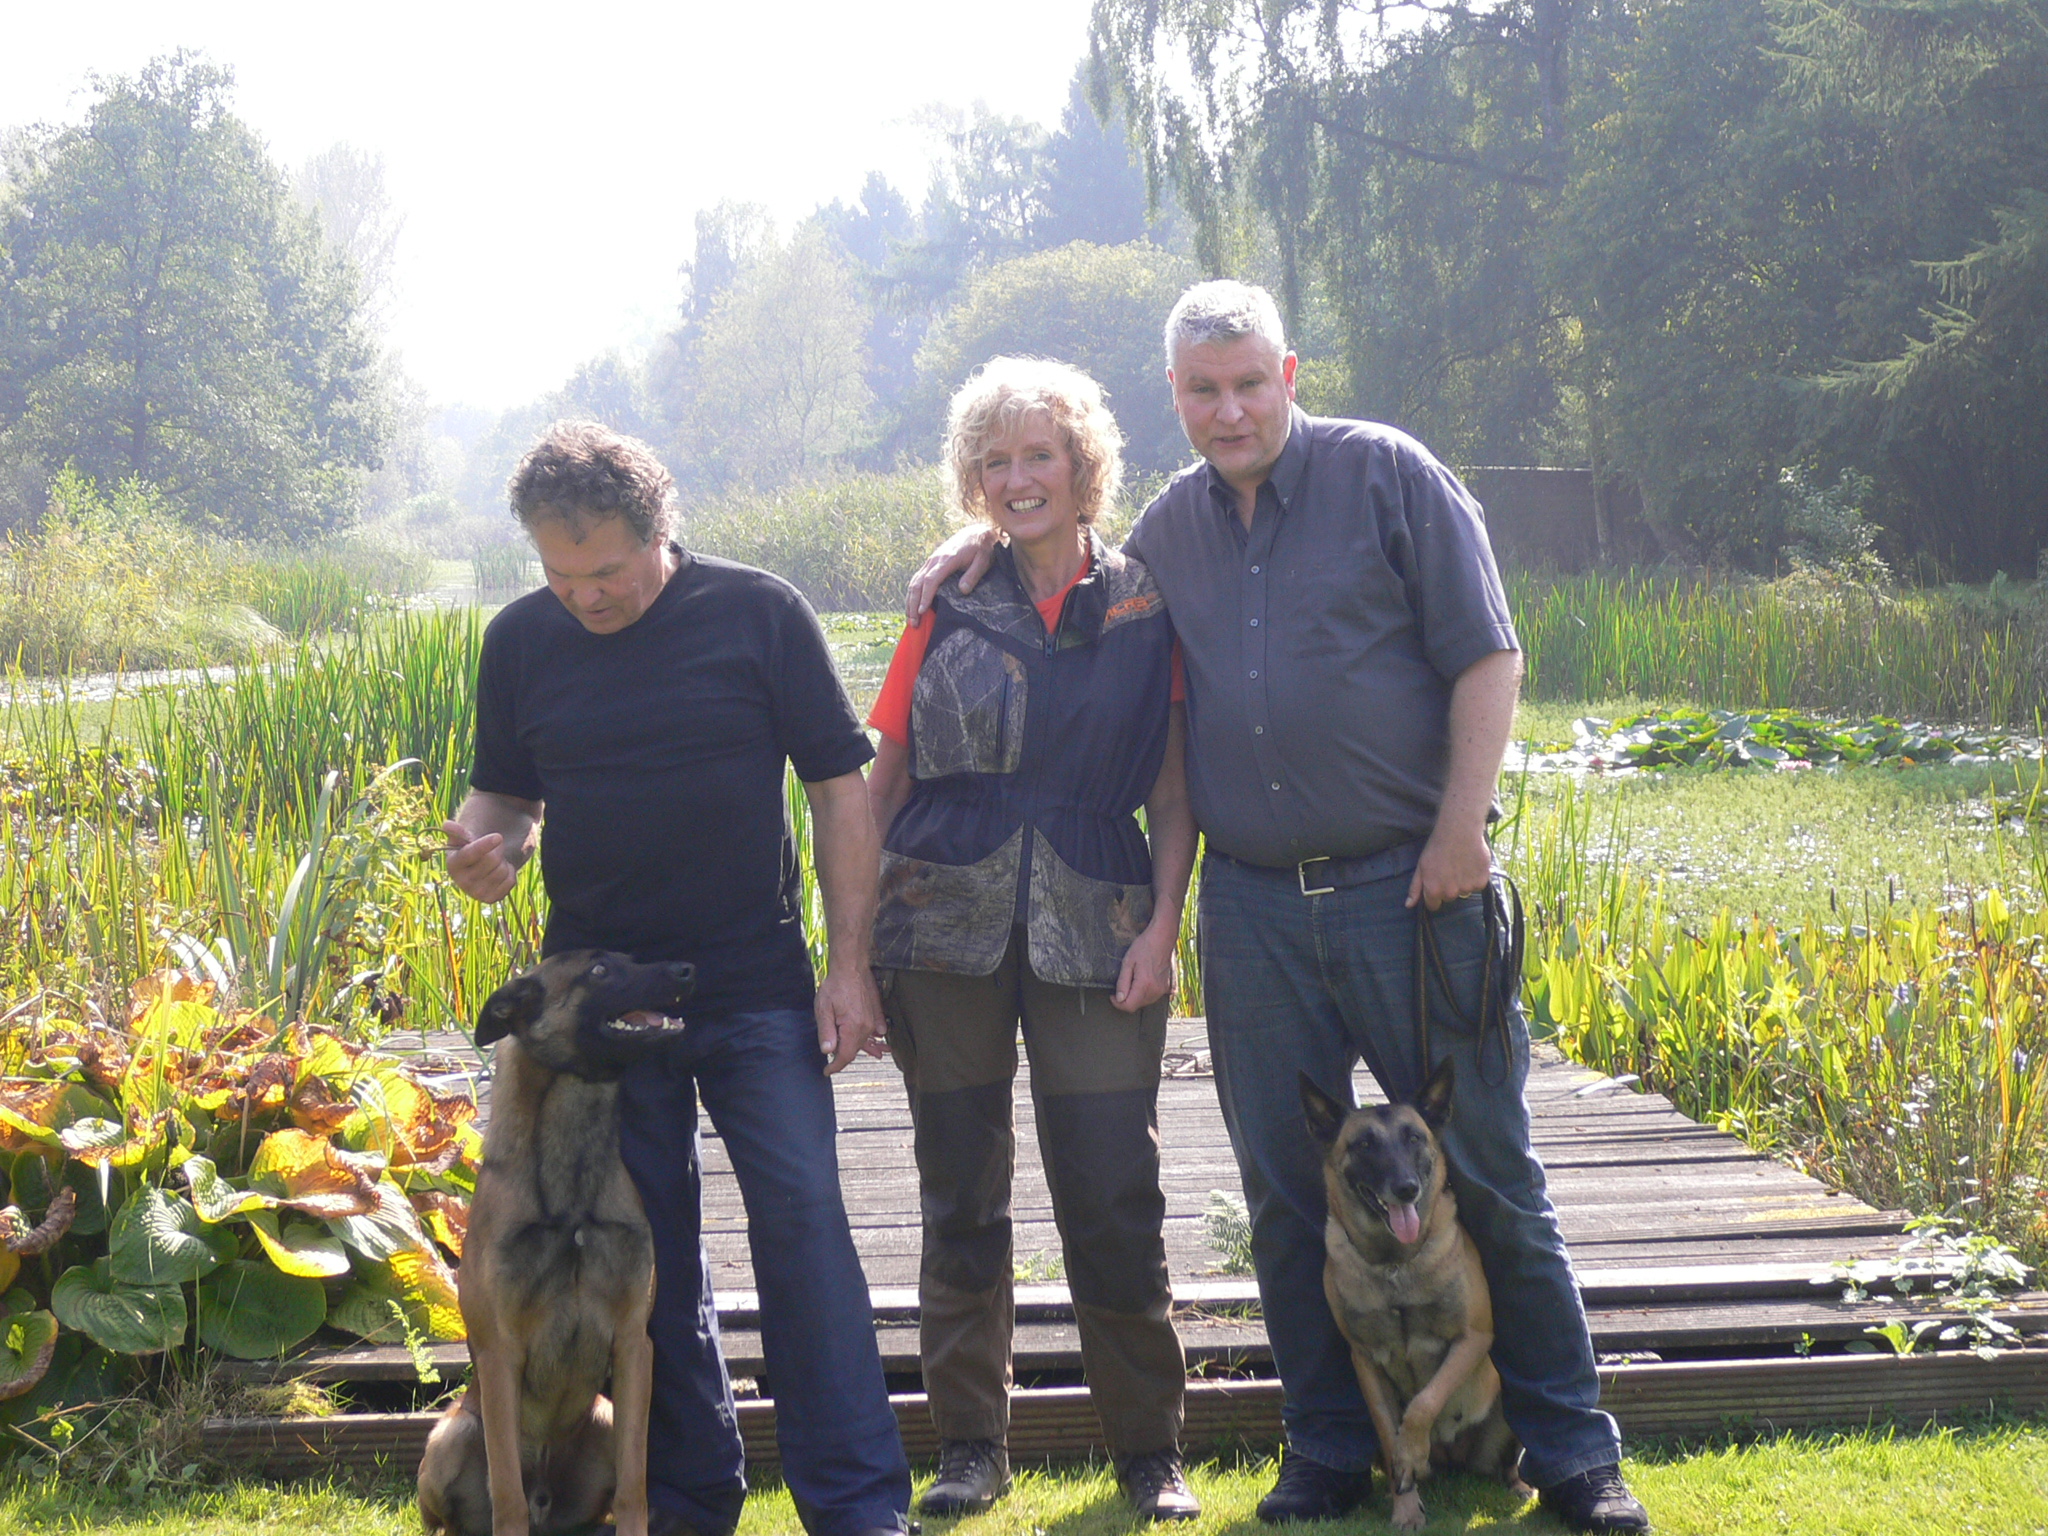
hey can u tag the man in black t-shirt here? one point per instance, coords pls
(648, 702)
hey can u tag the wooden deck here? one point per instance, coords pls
(1709, 1274)
(1687, 1244)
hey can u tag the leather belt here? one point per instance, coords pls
(1323, 875)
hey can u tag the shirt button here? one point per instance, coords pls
(1258, 730)
(1255, 623)
(1255, 674)
(1276, 783)
(1255, 570)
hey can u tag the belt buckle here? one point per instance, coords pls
(1301, 877)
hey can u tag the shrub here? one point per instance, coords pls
(111, 579)
(849, 543)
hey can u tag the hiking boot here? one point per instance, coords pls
(1308, 1490)
(1156, 1486)
(1596, 1500)
(973, 1474)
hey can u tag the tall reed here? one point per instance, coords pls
(1946, 656)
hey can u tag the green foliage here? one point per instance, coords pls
(226, 366)
(1904, 1058)
(1691, 245)
(1228, 1226)
(847, 543)
(1725, 738)
(111, 579)
(1818, 645)
(261, 1124)
(1097, 307)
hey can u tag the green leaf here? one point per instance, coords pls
(248, 1310)
(156, 1240)
(214, 1198)
(127, 1319)
(27, 1341)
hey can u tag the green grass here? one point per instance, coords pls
(1990, 1479)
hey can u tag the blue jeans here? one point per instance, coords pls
(1313, 984)
(766, 1091)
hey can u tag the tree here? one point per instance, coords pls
(1098, 307)
(778, 388)
(1780, 195)
(344, 186)
(1404, 157)
(169, 314)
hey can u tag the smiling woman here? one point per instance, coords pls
(1023, 725)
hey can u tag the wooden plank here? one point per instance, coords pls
(1683, 1398)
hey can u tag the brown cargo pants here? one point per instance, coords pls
(1095, 1092)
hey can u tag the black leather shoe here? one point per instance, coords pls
(1596, 1500)
(1308, 1490)
(1157, 1486)
(973, 1474)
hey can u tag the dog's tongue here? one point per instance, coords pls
(1406, 1223)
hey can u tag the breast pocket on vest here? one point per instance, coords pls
(967, 710)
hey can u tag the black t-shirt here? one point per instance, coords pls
(659, 752)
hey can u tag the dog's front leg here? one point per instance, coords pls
(632, 1394)
(1386, 1423)
(1423, 1410)
(498, 1369)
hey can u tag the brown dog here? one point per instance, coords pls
(557, 1274)
(1404, 1282)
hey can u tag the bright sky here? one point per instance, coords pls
(514, 136)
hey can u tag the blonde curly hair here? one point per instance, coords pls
(997, 398)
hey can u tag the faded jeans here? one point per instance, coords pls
(766, 1090)
(1314, 984)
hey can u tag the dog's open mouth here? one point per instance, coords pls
(643, 1021)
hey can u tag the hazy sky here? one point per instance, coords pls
(516, 138)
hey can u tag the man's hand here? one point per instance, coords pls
(1456, 861)
(847, 854)
(1453, 866)
(849, 1016)
(477, 863)
(1147, 973)
(969, 552)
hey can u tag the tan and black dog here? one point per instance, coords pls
(1404, 1282)
(557, 1273)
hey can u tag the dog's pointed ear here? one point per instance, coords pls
(1434, 1102)
(515, 1003)
(1324, 1114)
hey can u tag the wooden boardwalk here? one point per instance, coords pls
(1687, 1243)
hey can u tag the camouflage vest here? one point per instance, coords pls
(1029, 753)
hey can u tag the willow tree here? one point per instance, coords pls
(1405, 160)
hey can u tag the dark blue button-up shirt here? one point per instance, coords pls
(1322, 644)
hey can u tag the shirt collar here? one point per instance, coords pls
(1285, 475)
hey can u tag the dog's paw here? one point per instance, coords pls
(1409, 1515)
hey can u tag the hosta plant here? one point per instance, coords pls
(203, 1178)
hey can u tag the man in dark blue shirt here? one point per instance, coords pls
(648, 702)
